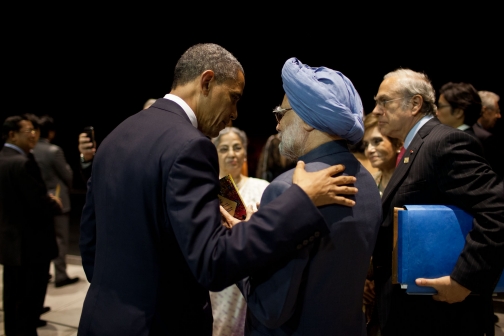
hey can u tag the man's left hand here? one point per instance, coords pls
(448, 290)
(229, 221)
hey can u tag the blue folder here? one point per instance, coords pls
(430, 253)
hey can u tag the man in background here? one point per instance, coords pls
(27, 239)
(319, 290)
(57, 176)
(440, 165)
(490, 114)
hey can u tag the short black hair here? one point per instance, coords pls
(46, 125)
(12, 123)
(34, 120)
(465, 97)
(206, 56)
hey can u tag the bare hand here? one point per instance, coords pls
(448, 290)
(324, 189)
(229, 221)
(57, 200)
(86, 147)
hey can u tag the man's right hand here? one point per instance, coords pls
(322, 187)
(86, 147)
(57, 200)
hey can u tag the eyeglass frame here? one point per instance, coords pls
(28, 131)
(383, 103)
(279, 112)
(442, 106)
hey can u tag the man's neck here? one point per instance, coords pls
(317, 138)
(187, 94)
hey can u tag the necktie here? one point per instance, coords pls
(400, 155)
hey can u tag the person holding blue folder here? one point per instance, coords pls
(440, 165)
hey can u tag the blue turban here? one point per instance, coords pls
(325, 99)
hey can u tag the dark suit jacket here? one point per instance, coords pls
(152, 242)
(319, 291)
(55, 170)
(26, 212)
(493, 150)
(443, 165)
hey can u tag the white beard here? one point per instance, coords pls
(293, 140)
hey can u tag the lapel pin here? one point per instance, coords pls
(406, 159)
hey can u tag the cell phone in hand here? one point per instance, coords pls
(89, 130)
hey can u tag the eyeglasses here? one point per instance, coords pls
(383, 103)
(279, 112)
(28, 131)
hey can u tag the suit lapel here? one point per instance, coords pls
(404, 165)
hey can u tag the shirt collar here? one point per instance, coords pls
(16, 148)
(185, 107)
(415, 129)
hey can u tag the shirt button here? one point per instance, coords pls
(305, 242)
(316, 234)
(311, 239)
(299, 247)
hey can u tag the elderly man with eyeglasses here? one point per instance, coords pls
(27, 238)
(441, 165)
(319, 290)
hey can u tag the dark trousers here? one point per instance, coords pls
(421, 315)
(24, 290)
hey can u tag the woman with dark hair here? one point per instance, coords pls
(459, 106)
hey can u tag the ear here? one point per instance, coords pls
(417, 103)
(12, 135)
(205, 79)
(458, 113)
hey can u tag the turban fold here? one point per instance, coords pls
(325, 99)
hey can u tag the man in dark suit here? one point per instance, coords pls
(318, 291)
(27, 240)
(57, 176)
(152, 242)
(441, 165)
(490, 113)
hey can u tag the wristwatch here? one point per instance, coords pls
(83, 160)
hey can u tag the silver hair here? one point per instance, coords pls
(488, 98)
(241, 134)
(411, 83)
(202, 57)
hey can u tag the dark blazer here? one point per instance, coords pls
(26, 212)
(493, 149)
(152, 243)
(319, 291)
(443, 165)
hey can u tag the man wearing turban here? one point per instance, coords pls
(319, 290)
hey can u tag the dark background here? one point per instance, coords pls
(96, 66)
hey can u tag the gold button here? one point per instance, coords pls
(311, 239)
(305, 242)
(299, 247)
(316, 234)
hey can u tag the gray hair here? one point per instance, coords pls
(206, 56)
(413, 83)
(241, 134)
(488, 98)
